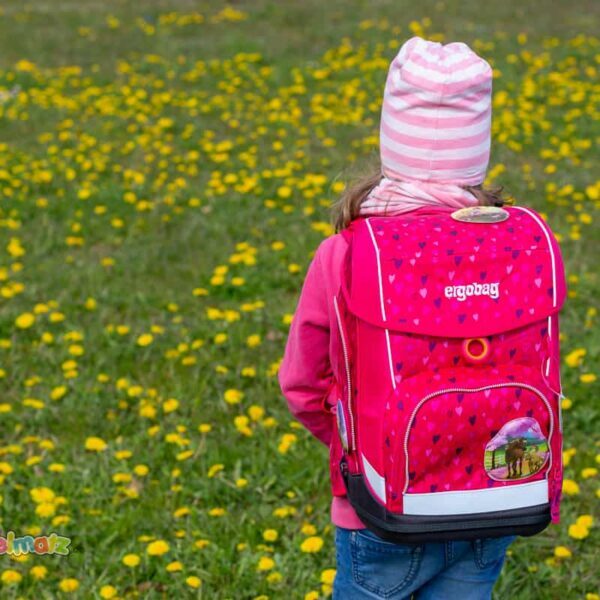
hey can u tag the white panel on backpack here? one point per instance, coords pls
(376, 481)
(477, 501)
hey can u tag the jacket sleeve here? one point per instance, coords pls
(305, 374)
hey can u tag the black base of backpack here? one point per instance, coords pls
(412, 529)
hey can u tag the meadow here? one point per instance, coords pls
(166, 172)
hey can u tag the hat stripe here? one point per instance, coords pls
(430, 148)
(427, 118)
(454, 64)
(395, 139)
(440, 84)
(445, 136)
(407, 95)
(416, 103)
(413, 160)
(463, 176)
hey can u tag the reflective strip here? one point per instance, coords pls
(391, 362)
(375, 480)
(378, 270)
(477, 501)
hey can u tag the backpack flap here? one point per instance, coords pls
(426, 273)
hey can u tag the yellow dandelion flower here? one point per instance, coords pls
(585, 520)
(575, 357)
(570, 487)
(108, 591)
(42, 494)
(38, 572)
(562, 552)
(193, 581)
(95, 444)
(265, 563)
(157, 548)
(312, 544)
(25, 320)
(217, 512)
(233, 396)
(214, 469)
(270, 535)
(170, 405)
(578, 531)
(253, 340)
(58, 392)
(145, 339)
(174, 567)
(131, 560)
(68, 585)
(11, 577)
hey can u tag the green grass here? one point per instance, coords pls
(134, 161)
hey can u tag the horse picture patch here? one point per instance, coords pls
(519, 450)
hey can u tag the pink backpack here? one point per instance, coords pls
(449, 419)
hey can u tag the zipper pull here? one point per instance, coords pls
(344, 468)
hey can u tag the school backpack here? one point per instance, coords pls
(449, 412)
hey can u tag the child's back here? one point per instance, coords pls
(349, 352)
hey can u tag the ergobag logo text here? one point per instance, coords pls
(462, 292)
(448, 412)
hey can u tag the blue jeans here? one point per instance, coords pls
(369, 567)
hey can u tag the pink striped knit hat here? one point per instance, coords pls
(436, 115)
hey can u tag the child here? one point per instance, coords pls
(434, 146)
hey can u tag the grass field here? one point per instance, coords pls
(166, 170)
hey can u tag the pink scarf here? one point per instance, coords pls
(394, 197)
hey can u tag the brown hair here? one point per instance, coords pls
(347, 208)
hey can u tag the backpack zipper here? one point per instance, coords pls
(480, 389)
(348, 379)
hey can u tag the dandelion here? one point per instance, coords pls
(562, 552)
(145, 339)
(25, 320)
(131, 560)
(570, 487)
(265, 563)
(170, 405)
(585, 520)
(193, 581)
(311, 544)
(11, 577)
(233, 396)
(253, 340)
(95, 444)
(108, 591)
(308, 529)
(274, 577)
(270, 535)
(217, 512)
(68, 585)
(578, 531)
(575, 357)
(215, 469)
(157, 548)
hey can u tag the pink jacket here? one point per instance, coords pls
(309, 365)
